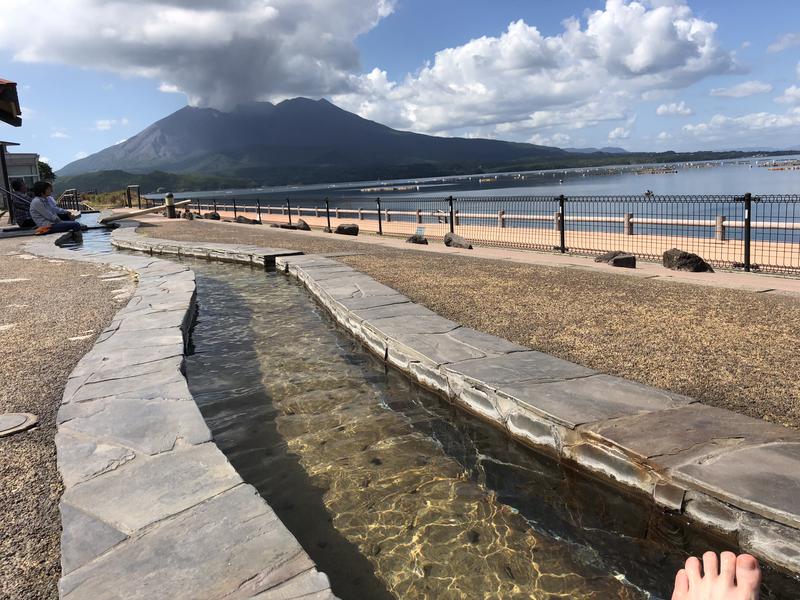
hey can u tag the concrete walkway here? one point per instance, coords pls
(151, 507)
(738, 475)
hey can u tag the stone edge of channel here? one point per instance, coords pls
(447, 357)
(150, 504)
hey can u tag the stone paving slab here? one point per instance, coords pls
(149, 489)
(146, 426)
(81, 458)
(151, 508)
(669, 438)
(592, 399)
(84, 538)
(762, 479)
(403, 309)
(505, 371)
(177, 560)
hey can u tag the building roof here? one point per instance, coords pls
(10, 111)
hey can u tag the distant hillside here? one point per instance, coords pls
(261, 141)
(112, 181)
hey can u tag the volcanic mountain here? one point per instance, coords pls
(296, 137)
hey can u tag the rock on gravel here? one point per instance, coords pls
(618, 258)
(453, 240)
(347, 229)
(678, 260)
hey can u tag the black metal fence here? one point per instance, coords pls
(753, 233)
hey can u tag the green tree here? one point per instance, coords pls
(46, 172)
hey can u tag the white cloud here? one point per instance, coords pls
(219, 53)
(122, 141)
(81, 154)
(674, 109)
(750, 128)
(746, 44)
(741, 90)
(44, 159)
(108, 124)
(27, 112)
(107, 87)
(785, 42)
(557, 139)
(169, 88)
(59, 134)
(664, 135)
(798, 70)
(528, 81)
(791, 95)
(620, 133)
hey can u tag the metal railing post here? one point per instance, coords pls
(235, 213)
(627, 227)
(561, 228)
(380, 225)
(748, 205)
(215, 205)
(258, 209)
(289, 211)
(452, 215)
(328, 213)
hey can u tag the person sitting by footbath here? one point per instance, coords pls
(47, 215)
(21, 204)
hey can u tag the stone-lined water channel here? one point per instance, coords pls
(391, 490)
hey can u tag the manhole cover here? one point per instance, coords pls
(16, 422)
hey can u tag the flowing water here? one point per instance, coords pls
(391, 490)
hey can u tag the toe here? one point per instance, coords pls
(727, 567)
(693, 571)
(681, 586)
(748, 576)
(710, 565)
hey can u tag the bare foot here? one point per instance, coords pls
(727, 578)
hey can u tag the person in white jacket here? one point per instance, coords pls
(45, 212)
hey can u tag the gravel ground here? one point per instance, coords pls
(727, 348)
(34, 365)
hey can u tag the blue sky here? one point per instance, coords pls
(625, 74)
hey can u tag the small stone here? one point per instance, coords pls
(417, 239)
(214, 216)
(303, 226)
(678, 260)
(347, 229)
(453, 240)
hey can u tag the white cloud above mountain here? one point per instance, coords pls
(108, 124)
(219, 53)
(742, 90)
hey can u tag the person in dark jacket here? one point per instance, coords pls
(21, 204)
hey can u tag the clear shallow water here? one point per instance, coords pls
(392, 491)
